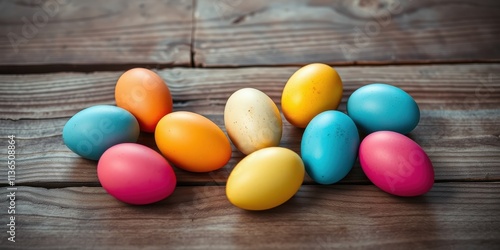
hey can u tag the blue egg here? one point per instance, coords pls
(329, 146)
(379, 106)
(93, 130)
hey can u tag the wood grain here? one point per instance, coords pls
(463, 146)
(54, 34)
(61, 32)
(459, 128)
(242, 33)
(451, 215)
(59, 201)
(434, 87)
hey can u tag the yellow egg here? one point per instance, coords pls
(192, 142)
(311, 90)
(252, 120)
(265, 179)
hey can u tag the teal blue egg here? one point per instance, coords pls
(329, 146)
(93, 130)
(379, 107)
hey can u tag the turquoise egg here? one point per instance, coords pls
(329, 146)
(93, 130)
(379, 106)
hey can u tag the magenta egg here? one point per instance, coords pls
(135, 174)
(396, 164)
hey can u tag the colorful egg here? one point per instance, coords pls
(145, 95)
(329, 146)
(192, 142)
(265, 179)
(93, 130)
(379, 106)
(311, 90)
(135, 174)
(252, 120)
(396, 164)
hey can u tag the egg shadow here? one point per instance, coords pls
(148, 140)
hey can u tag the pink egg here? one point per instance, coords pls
(396, 164)
(135, 174)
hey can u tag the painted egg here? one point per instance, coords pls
(396, 164)
(145, 95)
(192, 142)
(329, 146)
(135, 174)
(265, 179)
(311, 90)
(252, 120)
(93, 130)
(379, 106)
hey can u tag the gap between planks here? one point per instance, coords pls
(91, 68)
(60, 185)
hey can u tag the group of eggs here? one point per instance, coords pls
(269, 175)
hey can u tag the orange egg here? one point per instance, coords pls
(144, 94)
(192, 142)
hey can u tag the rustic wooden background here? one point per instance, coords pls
(60, 56)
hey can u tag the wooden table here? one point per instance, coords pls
(61, 56)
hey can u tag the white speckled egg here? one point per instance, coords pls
(252, 120)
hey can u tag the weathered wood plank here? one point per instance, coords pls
(95, 32)
(434, 87)
(451, 215)
(463, 145)
(459, 128)
(238, 33)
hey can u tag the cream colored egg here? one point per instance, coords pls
(252, 120)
